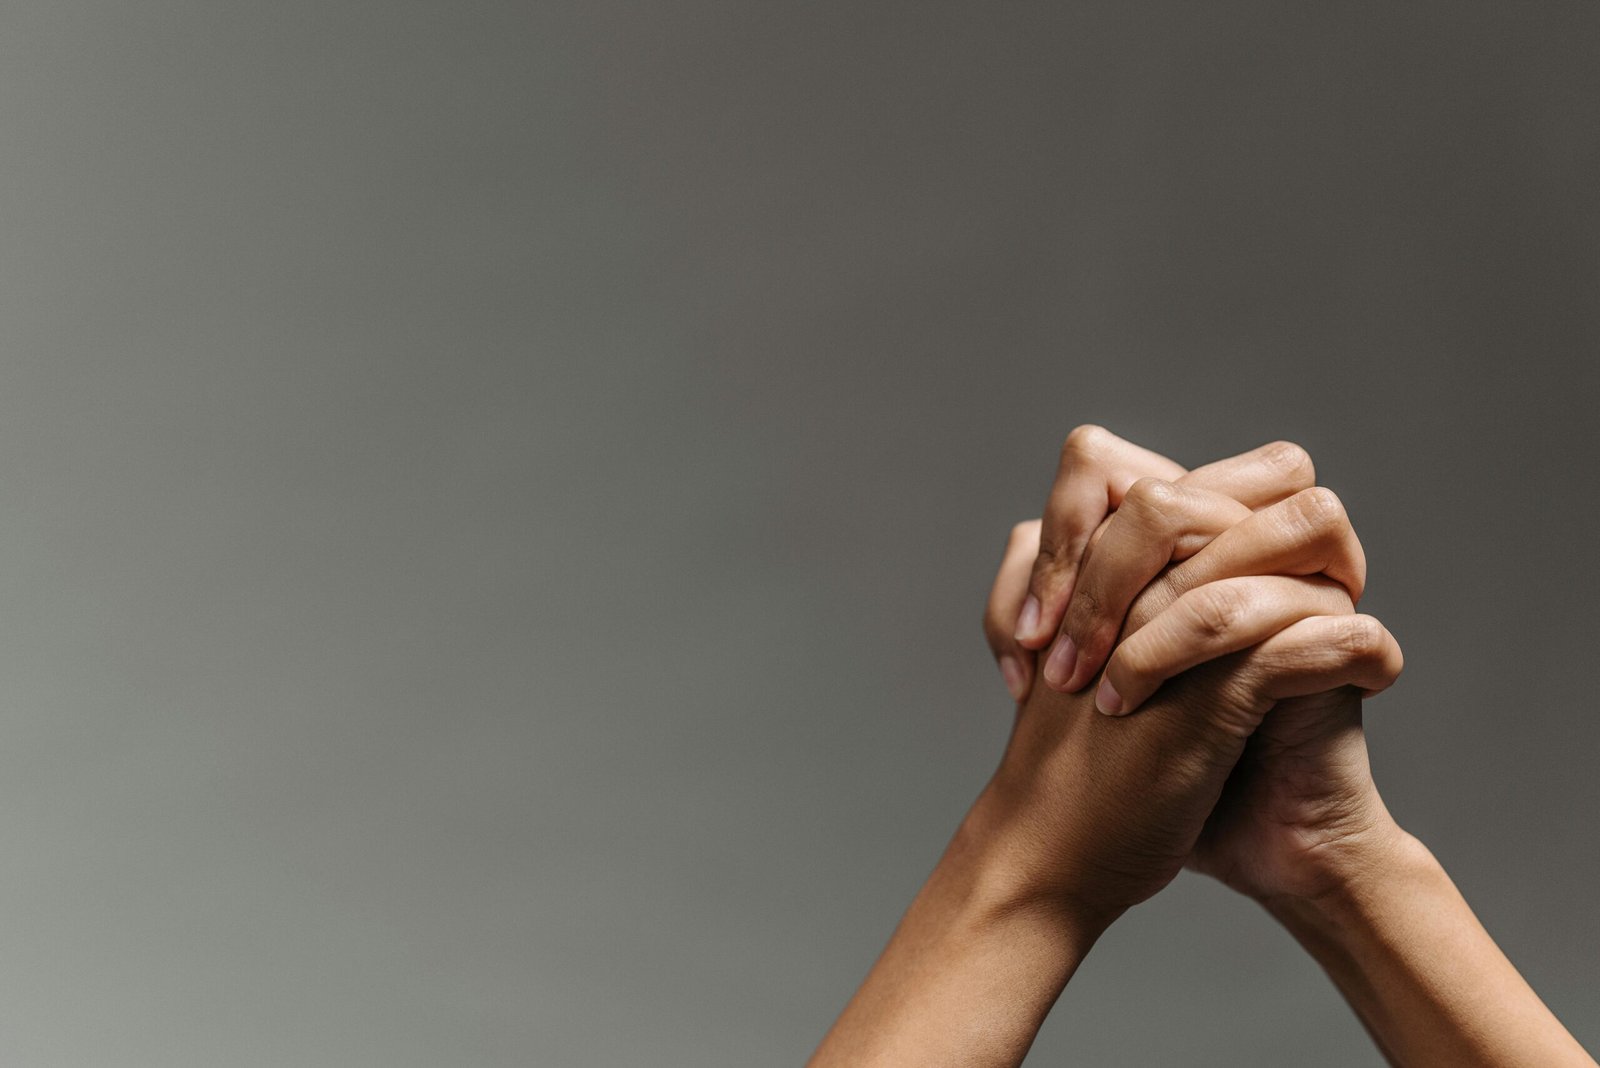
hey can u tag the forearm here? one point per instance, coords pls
(1425, 978)
(973, 968)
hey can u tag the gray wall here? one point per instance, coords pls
(495, 499)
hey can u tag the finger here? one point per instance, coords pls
(1322, 653)
(1305, 534)
(1158, 522)
(1260, 477)
(1255, 479)
(1213, 620)
(1005, 601)
(1096, 469)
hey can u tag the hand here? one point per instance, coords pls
(1096, 473)
(1090, 812)
(1121, 802)
(1300, 814)
(1250, 615)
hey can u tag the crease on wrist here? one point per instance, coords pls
(1392, 860)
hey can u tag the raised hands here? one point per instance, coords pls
(1088, 813)
(1140, 512)
(1254, 561)
(1239, 566)
(1217, 609)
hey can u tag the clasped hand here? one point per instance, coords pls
(1217, 609)
(1189, 668)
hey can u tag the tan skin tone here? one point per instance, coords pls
(1227, 738)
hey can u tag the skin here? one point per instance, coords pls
(1241, 579)
(1060, 842)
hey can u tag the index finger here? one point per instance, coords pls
(1169, 523)
(1094, 474)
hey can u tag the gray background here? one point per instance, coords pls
(496, 499)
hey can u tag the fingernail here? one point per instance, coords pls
(1107, 699)
(1011, 671)
(1062, 659)
(1028, 621)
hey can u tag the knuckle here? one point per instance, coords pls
(1292, 459)
(1086, 610)
(1052, 556)
(1084, 440)
(1154, 496)
(1318, 510)
(1215, 610)
(1360, 637)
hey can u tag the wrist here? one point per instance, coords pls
(974, 966)
(1008, 874)
(1357, 874)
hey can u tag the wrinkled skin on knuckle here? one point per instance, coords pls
(1322, 507)
(1314, 517)
(1292, 460)
(1058, 554)
(1215, 610)
(1048, 578)
(1050, 555)
(1155, 507)
(1238, 704)
(1052, 560)
(1360, 638)
(1087, 619)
